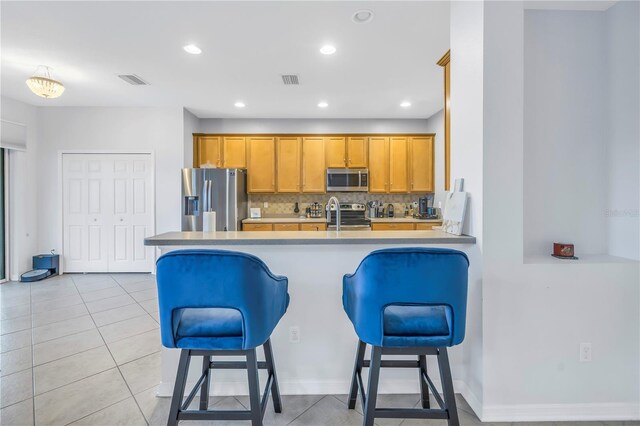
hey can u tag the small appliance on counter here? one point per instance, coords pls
(390, 212)
(426, 209)
(373, 209)
(44, 266)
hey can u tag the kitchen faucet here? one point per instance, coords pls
(333, 200)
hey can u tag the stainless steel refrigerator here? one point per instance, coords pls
(221, 190)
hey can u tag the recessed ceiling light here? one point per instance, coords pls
(239, 104)
(193, 49)
(328, 49)
(322, 104)
(405, 104)
(362, 16)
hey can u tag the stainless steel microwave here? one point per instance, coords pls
(347, 180)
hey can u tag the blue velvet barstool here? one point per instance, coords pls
(407, 301)
(219, 303)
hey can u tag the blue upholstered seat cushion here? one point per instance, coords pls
(417, 320)
(208, 328)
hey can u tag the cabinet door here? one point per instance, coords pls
(257, 227)
(398, 164)
(286, 227)
(289, 153)
(392, 227)
(313, 226)
(207, 151)
(313, 165)
(427, 226)
(234, 152)
(357, 152)
(261, 164)
(378, 164)
(421, 164)
(336, 152)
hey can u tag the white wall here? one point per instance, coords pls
(565, 110)
(191, 125)
(536, 315)
(623, 63)
(23, 205)
(466, 162)
(158, 130)
(217, 125)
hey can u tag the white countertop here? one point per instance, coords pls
(305, 238)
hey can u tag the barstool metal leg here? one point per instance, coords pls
(372, 387)
(447, 386)
(178, 389)
(424, 387)
(204, 389)
(271, 370)
(254, 388)
(357, 369)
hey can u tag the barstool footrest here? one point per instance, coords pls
(412, 413)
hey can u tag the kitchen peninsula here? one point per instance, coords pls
(314, 341)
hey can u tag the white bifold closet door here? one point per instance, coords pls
(107, 212)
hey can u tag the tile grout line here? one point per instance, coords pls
(118, 367)
(310, 407)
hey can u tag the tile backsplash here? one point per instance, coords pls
(283, 204)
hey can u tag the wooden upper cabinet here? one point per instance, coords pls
(357, 152)
(421, 164)
(445, 62)
(313, 164)
(261, 164)
(288, 164)
(336, 152)
(234, 152)
(398, 162)
(378, 164)
(207, 151)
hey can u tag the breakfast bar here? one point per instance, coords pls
(314, 343)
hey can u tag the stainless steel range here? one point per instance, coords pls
(353, 217)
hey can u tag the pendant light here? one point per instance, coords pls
(43, 85)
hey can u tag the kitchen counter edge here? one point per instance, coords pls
(234, 238)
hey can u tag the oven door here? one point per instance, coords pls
(347, 180)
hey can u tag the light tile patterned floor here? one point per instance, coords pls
(72, 350)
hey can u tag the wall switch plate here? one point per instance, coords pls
(585, 352)
(294, 334)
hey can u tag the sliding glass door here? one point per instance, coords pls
(3, 219)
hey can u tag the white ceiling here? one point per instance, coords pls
(246, 47)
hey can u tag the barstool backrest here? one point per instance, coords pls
(406, 276)
(220, 279)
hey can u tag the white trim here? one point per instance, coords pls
(7, 218)
(61, 153)
(561, 412)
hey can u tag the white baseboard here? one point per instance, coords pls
(560, 412)
(494, 413)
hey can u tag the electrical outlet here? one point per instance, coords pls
(294, 334)
(585, 352)
(265, 204)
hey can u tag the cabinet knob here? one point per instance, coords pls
(121, 219)
(95, 220)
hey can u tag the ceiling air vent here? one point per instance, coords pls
(133, 79)
(288, 79)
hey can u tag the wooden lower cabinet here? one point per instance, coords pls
(313, 226)
(404, 226)
(257, 227)
(286, 227)
(392, 227)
